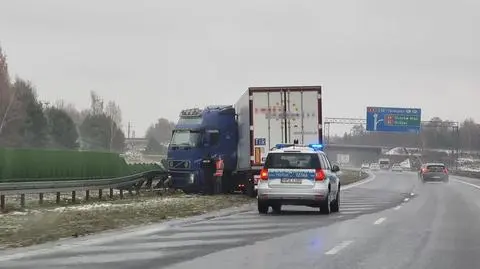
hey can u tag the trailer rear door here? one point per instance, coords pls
(268, 124)
(303, 119)
(281, 115)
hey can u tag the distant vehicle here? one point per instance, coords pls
(434, 172)
(397, 168)
(365, 166)
(374, 166)
(384, 163)
(298, 175)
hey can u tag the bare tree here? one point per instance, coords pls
(60, 104)
(96, 103)
(113, 112)
(77, 116)
(6, 95)
(10, 106)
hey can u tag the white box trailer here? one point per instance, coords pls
(272, 115)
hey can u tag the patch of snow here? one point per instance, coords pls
(406, 164)
(132, 203)
(469, 169)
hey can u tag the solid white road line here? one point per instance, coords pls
(350, 212)
(205, 234)
(397, 207)
(370, 206)
(466, 183)
(361, 182)
(406, 199)
(379, 221)
(338, 248)
(154, 245)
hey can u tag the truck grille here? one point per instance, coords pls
(179, 164)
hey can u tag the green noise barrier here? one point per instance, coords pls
(42, 165)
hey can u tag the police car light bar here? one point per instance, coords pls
(281, 146)
(316, 147)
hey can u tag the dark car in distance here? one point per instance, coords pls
(434, 172)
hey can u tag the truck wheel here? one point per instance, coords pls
(262, 207)
(227, 183)
(250, 190)
(277, 208)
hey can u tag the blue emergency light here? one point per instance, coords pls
(316, 147)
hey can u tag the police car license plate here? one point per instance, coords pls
(291, 180)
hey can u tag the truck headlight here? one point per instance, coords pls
(192, 178)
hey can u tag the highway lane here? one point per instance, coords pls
(436, 228)
(241, 239)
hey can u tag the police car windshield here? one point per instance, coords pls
(292, 161)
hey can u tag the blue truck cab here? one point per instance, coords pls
(200, 132)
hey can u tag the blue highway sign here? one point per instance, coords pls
(391, 119)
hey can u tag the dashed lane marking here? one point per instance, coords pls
(339, 248)
(379, 221)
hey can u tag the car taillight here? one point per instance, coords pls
(445, 170)
(264, 174)
(319, 175)
(424, 170)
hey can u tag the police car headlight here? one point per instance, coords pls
(192, 178)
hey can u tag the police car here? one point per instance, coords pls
(298, 175)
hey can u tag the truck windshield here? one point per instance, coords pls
(190, 120)
(186, 138)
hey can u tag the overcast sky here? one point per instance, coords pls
(155, 57)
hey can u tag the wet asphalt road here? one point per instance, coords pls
(381, 225)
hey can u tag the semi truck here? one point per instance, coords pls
(242, 134)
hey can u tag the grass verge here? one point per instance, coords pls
(18, 229)
(351, 176)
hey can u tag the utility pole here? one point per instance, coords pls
(128, 130)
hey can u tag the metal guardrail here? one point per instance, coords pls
(77, 185)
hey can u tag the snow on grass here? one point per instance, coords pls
(40, 225)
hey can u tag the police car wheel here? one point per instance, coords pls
(325, 206)
(262, 207)
(336, 203)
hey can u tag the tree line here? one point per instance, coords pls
(434, 134)
(158, 135)
(27, 122)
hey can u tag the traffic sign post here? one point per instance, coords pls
(390, 119)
